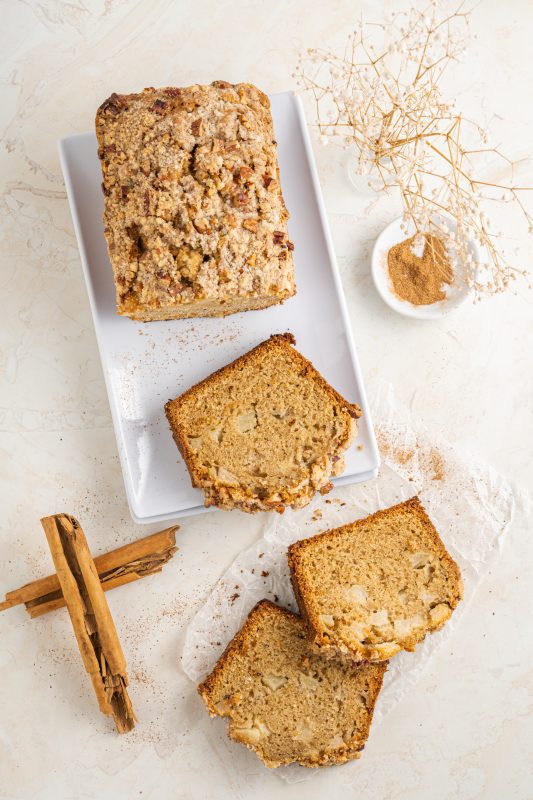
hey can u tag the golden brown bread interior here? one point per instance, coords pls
(194, 216)
(376, 586)
(286, 704)
(264, 432)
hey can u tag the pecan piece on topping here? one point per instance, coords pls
(173, 92)
(114, 103)
(240, 199)
(290, 245)
(175, 288)
(279, 237)
(196, 127)
(159, 105)
(242, 175)
(267, 180)
(105, 150)
(250, 225)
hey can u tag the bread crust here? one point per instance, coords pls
(194, 215)
(321, 641)
(230, 497)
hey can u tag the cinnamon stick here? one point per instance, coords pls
(91, 619)
(124, 565)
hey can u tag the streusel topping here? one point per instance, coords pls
(193, 204)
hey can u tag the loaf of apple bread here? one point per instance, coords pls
(194, 216)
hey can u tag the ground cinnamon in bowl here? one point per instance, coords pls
(420, 279)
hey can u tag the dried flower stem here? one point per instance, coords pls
(385, 103)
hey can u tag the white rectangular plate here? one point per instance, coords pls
(146, 364)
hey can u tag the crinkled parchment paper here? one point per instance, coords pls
(471, 505)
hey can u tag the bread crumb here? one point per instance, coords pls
(437, 464)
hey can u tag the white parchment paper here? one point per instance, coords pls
(471, 505)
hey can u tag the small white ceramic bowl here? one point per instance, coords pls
(456, 294)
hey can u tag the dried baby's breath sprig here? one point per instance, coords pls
(382, 98)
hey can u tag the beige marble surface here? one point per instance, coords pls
(468, 730)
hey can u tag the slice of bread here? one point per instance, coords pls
(265, 432)
(376, 586)
(286, 704)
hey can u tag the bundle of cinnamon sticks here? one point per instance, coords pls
(116, 568)
(80, 583)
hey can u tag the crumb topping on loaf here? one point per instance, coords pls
(265, 432)
(194, 214)
(376, 586)
(288, 705)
